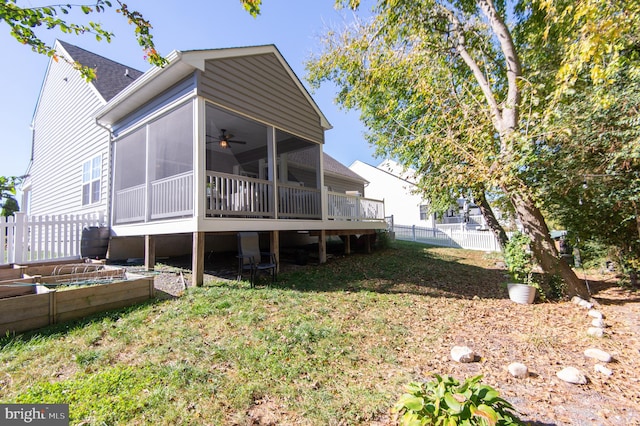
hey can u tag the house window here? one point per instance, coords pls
(91, 172)
(424, 212)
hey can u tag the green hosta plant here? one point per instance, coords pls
(445, 401)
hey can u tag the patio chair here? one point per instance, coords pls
(251, 259)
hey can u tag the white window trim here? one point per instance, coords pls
(95, 175)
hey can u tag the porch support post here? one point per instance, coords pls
(274, 242)
(347, 244)
(197, 259)
(149, 252)
(322, 246)
(367, 243)
(272, 164)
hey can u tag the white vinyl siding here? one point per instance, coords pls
(65, 136)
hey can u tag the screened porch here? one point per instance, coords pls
(251, 170)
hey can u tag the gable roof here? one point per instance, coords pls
(181, 64)
(111, 77)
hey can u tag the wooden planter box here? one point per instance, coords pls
(9, 273)
(31, 311)
(8, 288)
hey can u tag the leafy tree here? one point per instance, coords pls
(8, 202)
(585, 159)
(9, 207)
(457, 94)
(23, 22)
(589, 172)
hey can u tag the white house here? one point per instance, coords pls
(391, 182)
(388, 182)
(217, 141)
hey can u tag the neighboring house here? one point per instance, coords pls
(217, 141)
(389, 181)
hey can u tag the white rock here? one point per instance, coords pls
(593, 313)
(595, 332)
(518, 370)
(462, 354)
(585, 304)
(598, 322)
(577, 300)
(602, 369)
(598, 354)
(572, 375)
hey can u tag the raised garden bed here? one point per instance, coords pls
(45, 294)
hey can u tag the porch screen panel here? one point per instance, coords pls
(129, 177)
(299, 194)
(171, 163)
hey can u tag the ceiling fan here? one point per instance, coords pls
(224, 139)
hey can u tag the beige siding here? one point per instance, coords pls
(65, 136)
(260, 87)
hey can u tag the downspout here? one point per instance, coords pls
(25, 189)
(109, 174)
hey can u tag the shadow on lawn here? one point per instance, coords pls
(405, 267)
(64, 328)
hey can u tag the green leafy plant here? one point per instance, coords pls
(519, 259)
(446, 401)
(383, 239)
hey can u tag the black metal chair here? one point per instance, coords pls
(251, 259)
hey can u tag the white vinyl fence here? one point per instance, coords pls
(448, 237)
(36, 238)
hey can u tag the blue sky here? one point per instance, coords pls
(294, 27)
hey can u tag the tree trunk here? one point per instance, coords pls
(480, 200)
(542, 245)
(633, 279)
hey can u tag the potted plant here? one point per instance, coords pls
(519, 260)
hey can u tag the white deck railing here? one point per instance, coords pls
(129, 204)
(238, 196)
(37, 238)
(353, 207)
(172, 196)
(233, 195)
(299, 202)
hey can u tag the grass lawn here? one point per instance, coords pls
(327, 345)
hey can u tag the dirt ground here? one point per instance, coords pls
(541, 398)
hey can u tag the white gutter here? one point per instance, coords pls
(143, 89)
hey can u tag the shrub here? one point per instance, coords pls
(518, 258)
(383, 239)
(445, 401)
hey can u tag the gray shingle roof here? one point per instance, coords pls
(307, 157)
(334, 166)
(111, 77)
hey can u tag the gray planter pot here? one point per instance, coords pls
(521, 293)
